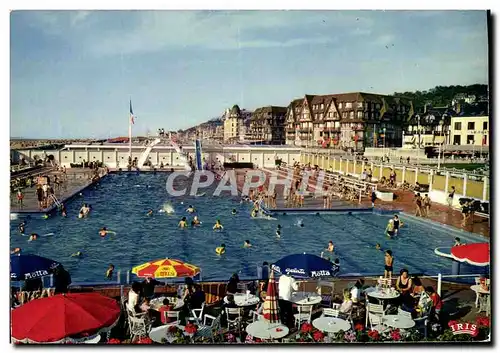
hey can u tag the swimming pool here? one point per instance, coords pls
(120, 203)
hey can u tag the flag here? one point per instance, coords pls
(131, 113)
(411, 112)
(383, 110)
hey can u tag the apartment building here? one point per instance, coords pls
(267, 125)
(470, 130)
(347, 120)
(232, 120)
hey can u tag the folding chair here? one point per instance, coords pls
(197, 314)
(233, 316)
(169, 315)
(304, 314)
(327, 312)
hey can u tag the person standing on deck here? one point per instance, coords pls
(450, 196)
(418, 205)
(389, 260)
(426, 205)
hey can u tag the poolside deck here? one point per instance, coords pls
(77, 180)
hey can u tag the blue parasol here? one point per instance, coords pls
(304, 266)
(23, 267)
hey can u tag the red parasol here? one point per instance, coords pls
(271, 312)
(477, 254)
(58, 317)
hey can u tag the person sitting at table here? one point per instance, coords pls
(229, 302)
(133, 297)
(437, 303)
(197, 298)
(483, 279)
(148, 287)
(418, 288)
(346, 306)
(164, 308)
(356, 291)
(232, 285)
(404, 287)
(146, 305)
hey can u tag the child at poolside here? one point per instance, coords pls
(109, 271)
(389, 260)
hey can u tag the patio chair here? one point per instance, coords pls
(171, 317)
(327, 312)
(256, 316)
(234, 318)
(207, 331)
(326, 289)
(139, 327)
(304, 314)
(197, 314)
(375, 311)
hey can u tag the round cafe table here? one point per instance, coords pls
(159, 333)
(398, 321)
(156, 303)
(382, 294)
(264, 330)
(241, 299)
(305, 298)
(331, 324)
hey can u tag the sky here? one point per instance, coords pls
(73, 72)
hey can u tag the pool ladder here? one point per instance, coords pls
(56, 201)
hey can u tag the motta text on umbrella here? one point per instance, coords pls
(36, 274)
(322, 273)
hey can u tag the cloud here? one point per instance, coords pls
(384, 39)
(129, 32)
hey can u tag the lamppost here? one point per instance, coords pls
(441, 124)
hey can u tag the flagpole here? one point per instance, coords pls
(130, 137)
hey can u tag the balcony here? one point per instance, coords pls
(333, 129)
(305, 129)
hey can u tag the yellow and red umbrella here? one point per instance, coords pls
(166, 268)
(271, 308)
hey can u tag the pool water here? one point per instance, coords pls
(120, 203)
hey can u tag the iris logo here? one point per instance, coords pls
(470, 329)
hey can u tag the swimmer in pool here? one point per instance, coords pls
(278, 234)
(221, 249)
(218, 225)
(150, 212)
(389, 230)
(330, 247)
(397, 224)
(254, 213)
(33, 237)
(378, 247)
(195, 222)
(190, 209)
(81, 215)
(103, 232)
(77, 254)
(45, 216)
(183, 223)
(247, 244)
(21, 227)
(16, 251)
(233, 212)
(109, 271)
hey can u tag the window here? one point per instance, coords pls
(360, 104)
(377, 106)
(340, 105)
(351, 115)
(322, 106)
(335, 115)
(330, 114)
(470, 139)
(485, 140)
(458, 126)
(485, 125)
(344, 115)
(348, 105)
(470, 126)
(321, 115)
(360, 114)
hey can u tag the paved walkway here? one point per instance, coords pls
(76, 180)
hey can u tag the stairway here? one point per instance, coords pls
(145, 154)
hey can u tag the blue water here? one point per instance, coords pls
(120, 203)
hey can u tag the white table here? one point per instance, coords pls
(331, 324)
(264, 330)
(480, 290)
(382, 294)
(160, 333)
(241, 299)
(305, 298)
(398, 321)
(156, 303)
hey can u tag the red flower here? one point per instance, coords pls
(318, 336)
(306, 327)
(191, 329)
(145, 340)
(359, 327)
(374, 335)
(452, 322)
(483, 321)
(172, 329)
(114, 341)
(395, 335)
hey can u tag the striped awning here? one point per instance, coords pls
(271, 309)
